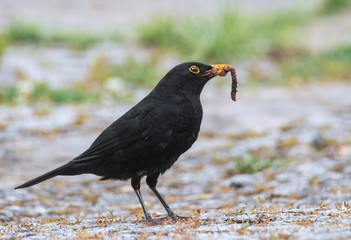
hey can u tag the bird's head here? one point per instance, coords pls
(192, 76)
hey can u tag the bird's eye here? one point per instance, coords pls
(194, 69)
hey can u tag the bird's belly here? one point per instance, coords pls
(172, 152)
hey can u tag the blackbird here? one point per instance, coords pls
(150, 137)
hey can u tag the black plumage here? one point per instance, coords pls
(150, 137)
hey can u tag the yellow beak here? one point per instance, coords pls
(218, 70)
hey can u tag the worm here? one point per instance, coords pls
(234, 84)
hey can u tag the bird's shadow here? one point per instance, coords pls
(190, 219)
(166, 220)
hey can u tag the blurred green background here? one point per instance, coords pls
(103, 56)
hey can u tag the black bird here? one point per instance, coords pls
(150, 137)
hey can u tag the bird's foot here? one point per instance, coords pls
(148, 219)
(174, 217)
(152, 221)
(170, 217)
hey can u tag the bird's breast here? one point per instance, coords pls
(187, 124)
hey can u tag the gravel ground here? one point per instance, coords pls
(273, 165)
(277, 169)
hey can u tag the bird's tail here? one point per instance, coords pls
(63, 170)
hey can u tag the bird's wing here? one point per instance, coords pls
(129, 129)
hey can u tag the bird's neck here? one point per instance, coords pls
(166, 90)
(177, 95)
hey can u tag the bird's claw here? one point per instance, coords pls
(174, 217)
(152, 221)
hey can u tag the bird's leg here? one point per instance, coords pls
(136, 186)
(151, 182)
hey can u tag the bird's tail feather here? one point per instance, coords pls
(63, 170)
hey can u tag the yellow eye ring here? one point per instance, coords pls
(194, 69)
